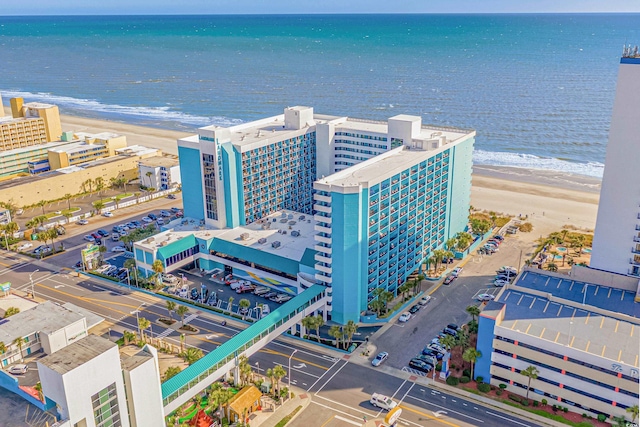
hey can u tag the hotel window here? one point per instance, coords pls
(105, 407)
(209, 171)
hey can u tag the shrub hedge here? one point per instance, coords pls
(464, 379)
(485, 388)
(451, 380)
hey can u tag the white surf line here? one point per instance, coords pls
(330, 378)
(508, 419)
(321, 376)
(341, 412)
(296, 370)
(446, 409)
(338, 417)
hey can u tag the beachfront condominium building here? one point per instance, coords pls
(353, 204)
(159, 172)
(616, 243)
(31, 124)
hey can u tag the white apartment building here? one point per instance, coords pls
(616, 243)
(159, 172)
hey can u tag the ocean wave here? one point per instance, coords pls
(160, 114)
(529, 161)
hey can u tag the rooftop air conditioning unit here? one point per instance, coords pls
(275, 245)
(295, 233)
(244, 236)
(262, 240)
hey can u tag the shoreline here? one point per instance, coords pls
(551, 199)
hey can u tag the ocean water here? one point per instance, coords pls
(538, 89)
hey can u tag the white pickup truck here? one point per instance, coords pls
(382, 401)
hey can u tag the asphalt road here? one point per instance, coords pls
(340, 388)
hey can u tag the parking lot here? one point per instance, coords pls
(403, 341)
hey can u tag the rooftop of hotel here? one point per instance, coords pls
(159, 161)
(568, 325)
(136, 150)
(77, 354)
(46, 317)
(46, 147)
(273, 228)
(131, 361)
(101, 135)
(604, 297)
(76, 147)
(7, 119)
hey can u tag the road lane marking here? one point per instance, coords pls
(338, 417)
(342, 412)
(431, 417)
(296, 370)
(297, 359)
(445, 408)
(508, 419)
(330, 378)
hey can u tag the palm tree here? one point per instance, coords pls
(130, 264)
(450, 243)
(471, 355)
(633, 410)
(319, 323)
(181, 311)
(448, 341)
(142, 325)
(148, 174)
(244, 304)
(38, 388)
(349, 330)
(404, 289)
(417, 283)
(151, 190)
(474, 311)
(99, 182)
(462, 338)
(309, 322)
(42, 204)
(336, 332)
(19, 342)
(11, 311)
(52, 233)
(128, 336)
(171, 306)
(3, 347)
(192, 355)
(171, 371)
(245, 369)
(531, 373)
(230, 304)
(158, 268)
(67, 215)
(269, 374)
(551, 266)
(68, 197)
(278, 374)
(98, 205)
(182, 339)
(9, 229)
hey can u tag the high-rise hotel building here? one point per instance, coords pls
(305, 198)
(616, 242)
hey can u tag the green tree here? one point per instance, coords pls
(230, 304)
(462, 338)
(99, 183)
(349, 330)
(130, 264)
(480, 226)
(38, 388)
(68, 197)
(578, 241)
(171, 371)
(244, 304)
(11, 207)
(182, 311)
(98, 205)
(148, 174)
(403, 289)
(67, 215)
(474, 311)
(318, 324)
(336, 332)
(19, 341)
(3, 347)
(11, 311)
(417, 283)
(42, 204)
(245, 370)
(309, 323)
(448, 341)
(192, 355)
(451, 243)
(128, 337)
(7, 230)
(158, 268)
(471, 355)
(633, 410)
(531, 373)
(171, 306)
(278, 374)
(142, 325)
(551, 266)
(52, 234)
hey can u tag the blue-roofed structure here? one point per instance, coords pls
(583, 338)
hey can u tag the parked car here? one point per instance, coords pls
(431, 360)
(420, 365)
(165, 214)
(195, 294)
(437, 347)
(61, 230)
(107, 214)
(456, 271)
(24, 246)
(42, 249)
(18, 369)
(500, 283)
(89, 238)
(245, 288)
(160, 221)
(115, 237)
(404, 317)
(174, 210)
(453, 326)
(424, 300)
(269, 294)
(450, 331)
(82, 222)
(414, 309)
(261, 290)
(118, 249)
(498, 237)
(179, 214)
(485, 297)
(171, 196)
(449, 279)
(103, 268)
(506, 268)
(152, 216)
(264, 311)
(380, 358)
(431, 352)
(147, 219)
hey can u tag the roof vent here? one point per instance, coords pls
(275, 245)
(292, 223)
(301, 218)
(244, 236)
(262, 240)
(295, 233)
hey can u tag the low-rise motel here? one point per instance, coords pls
(302, 198)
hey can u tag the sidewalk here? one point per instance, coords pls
(271, 418)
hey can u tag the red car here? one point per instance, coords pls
(449, 279)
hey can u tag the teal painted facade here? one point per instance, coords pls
(191, 175)
(233, 197)
(459, 189)
(347, 245)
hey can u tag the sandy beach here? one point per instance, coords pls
(550, 199)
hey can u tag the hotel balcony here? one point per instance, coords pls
(321, 229)
(321, 198)
(320, 218)
(323, 278)
(320, 208)
(636, 239)
(322, 239)
(634, 260)
(321, 258)
(323, 268)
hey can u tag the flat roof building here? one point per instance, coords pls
(159, 172)
(362, 202)
(582, 337)
(33, 123)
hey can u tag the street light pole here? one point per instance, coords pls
(137, 311)
(33, 289)
(289, 375)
